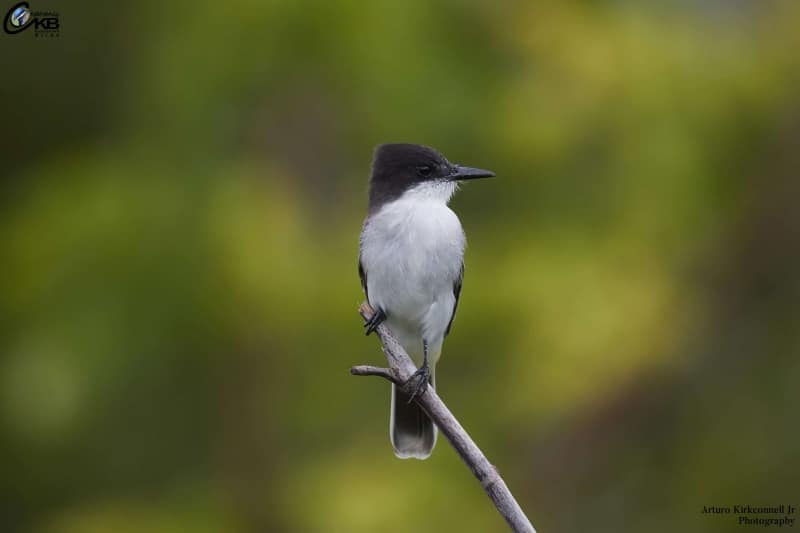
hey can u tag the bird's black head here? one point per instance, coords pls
(397, 168)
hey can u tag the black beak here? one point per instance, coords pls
(467, 173)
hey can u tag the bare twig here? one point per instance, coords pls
(400, 370)
(366, 370)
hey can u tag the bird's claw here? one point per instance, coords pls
(422, 376)
(374, 321)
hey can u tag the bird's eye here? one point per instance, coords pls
(424, 170)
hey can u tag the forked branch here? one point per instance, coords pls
(400, 370)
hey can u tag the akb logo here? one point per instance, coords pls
(19, 18)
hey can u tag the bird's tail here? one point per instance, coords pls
(413, 434)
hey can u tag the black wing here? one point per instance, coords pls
(363, 275)
(457, 294)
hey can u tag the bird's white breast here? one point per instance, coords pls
(412, 251)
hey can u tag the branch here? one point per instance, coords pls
(400, 370)
(366, 370)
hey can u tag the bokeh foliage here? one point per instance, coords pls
(178, 234)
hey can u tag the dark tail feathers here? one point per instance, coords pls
(413, 434)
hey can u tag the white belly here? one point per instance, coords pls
(412, 252)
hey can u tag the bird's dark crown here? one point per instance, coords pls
(399, 167)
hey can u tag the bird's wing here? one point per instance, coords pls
(457, 293)
(363, 275)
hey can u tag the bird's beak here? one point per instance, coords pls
(467, 173)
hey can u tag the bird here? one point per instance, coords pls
(411, 265)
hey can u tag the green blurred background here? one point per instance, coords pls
(185, 184)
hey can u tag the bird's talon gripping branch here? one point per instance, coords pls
(422, 377)
(374, 321)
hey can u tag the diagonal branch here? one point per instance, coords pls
(400, 370)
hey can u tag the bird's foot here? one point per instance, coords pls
(374, 321)
(422, 377)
